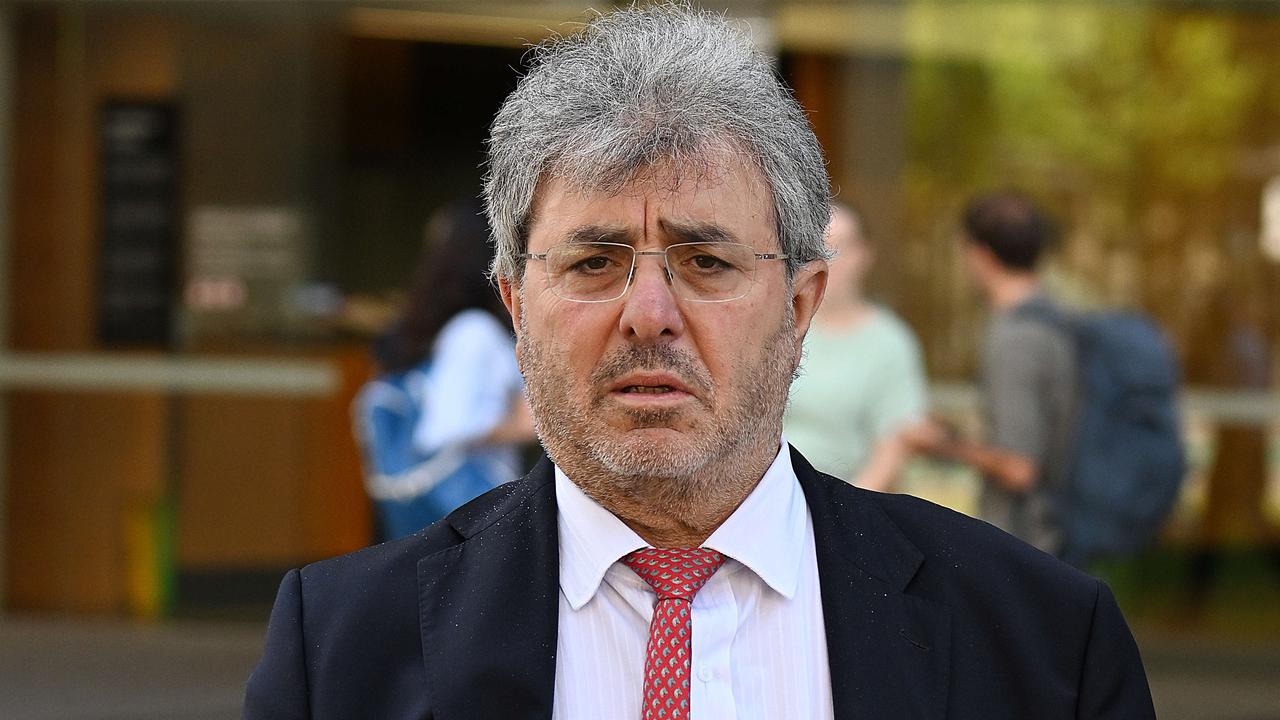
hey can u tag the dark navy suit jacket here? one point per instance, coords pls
(929, 614)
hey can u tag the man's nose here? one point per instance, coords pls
(650, 312)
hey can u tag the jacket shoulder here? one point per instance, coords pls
(1026, 627)
(345, 635)
(965, 553)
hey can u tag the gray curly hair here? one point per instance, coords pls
(643, 85)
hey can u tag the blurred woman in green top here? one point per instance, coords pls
(862, 381)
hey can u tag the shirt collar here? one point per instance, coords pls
(767, 531)
(591, 540)
(766, 534)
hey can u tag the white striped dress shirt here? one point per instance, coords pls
(759, 645)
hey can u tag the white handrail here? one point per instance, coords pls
(117, 372)
(1220, 406)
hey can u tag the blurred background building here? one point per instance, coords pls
(207, 208)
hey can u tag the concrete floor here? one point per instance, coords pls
(87, 670)
(1203, 678)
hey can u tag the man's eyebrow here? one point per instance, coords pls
(599, 233)
(697, 232)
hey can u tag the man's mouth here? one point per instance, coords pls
(648, 382)
(648, 389)
(652, 390)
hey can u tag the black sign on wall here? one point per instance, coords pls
(137, 265)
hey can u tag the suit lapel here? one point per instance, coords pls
(888, 651)
(489, 607)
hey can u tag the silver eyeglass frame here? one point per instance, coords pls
(666, 269)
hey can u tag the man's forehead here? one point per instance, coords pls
(697, 195)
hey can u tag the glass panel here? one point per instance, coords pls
(589, 271)
(712, 271)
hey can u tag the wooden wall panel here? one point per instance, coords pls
(79, 464)
(258, 482)
(50, 255)
(243, 490)
(338, 519)
(813, 79)
(270, 483)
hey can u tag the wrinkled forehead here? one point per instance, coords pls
(657, 161)
(722, 189)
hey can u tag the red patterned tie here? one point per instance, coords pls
(676, 575)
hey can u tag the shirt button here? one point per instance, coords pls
(704, 674)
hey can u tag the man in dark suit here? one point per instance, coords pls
(658, 204)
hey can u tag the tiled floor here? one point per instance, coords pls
(87, 670)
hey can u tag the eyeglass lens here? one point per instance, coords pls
(703, 272)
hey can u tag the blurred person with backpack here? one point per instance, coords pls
(1083, 455)
(863, 380)
(443, 421)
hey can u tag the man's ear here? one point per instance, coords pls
(511, 299)
(510, 292)
(808, 288)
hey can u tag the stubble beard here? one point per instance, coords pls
(707, 466)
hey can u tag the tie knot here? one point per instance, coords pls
(675, 572)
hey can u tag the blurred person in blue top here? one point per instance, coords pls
(862, 381)
(444, 421)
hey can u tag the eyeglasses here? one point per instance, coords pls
(699, 272)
